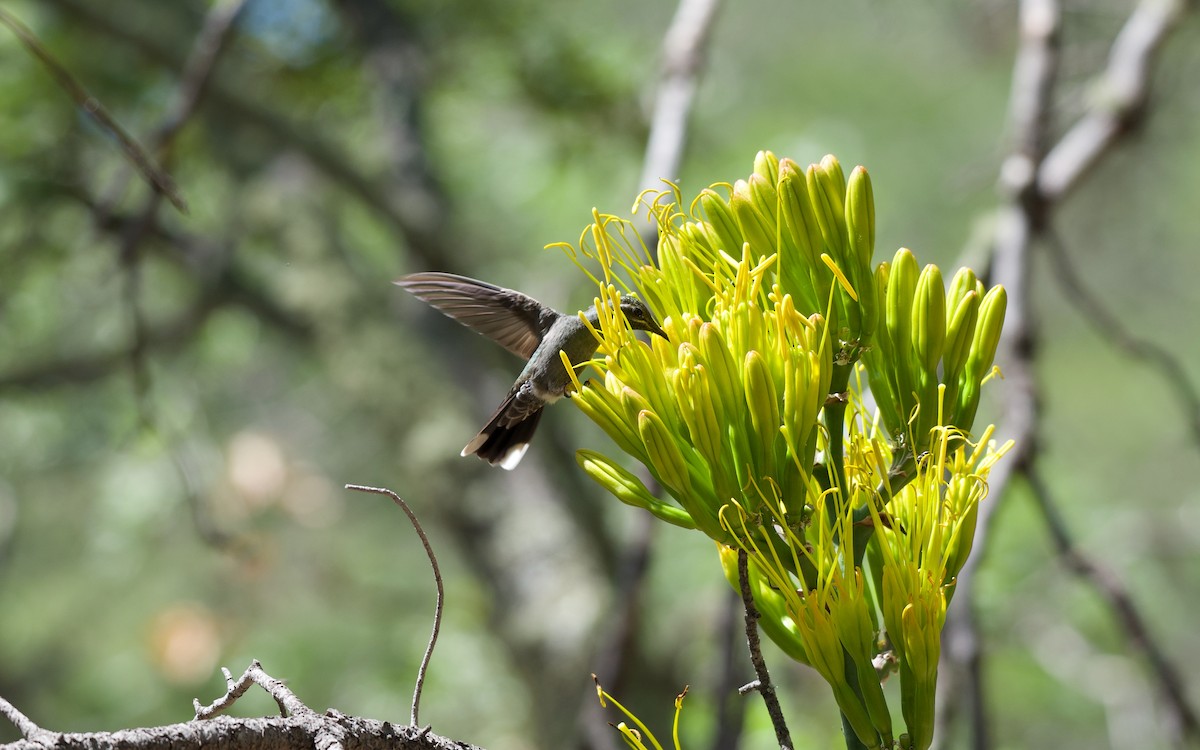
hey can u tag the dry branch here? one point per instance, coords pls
(300, 728)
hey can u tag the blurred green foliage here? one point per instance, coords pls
(155, 527)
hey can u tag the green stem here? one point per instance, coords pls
(835, 426)
(851, 672)
(852, 741)
(835, 462)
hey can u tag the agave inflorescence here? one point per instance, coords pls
(752, 417)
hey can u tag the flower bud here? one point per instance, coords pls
(720, 218)
(827, 190)
(929, 321)
(752, 224)
(767, 165)
(764, 408)
(629, 489)
(665, 457)
(960, 331)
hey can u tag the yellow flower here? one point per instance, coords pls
(751, 415)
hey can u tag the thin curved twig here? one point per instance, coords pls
(437, 578)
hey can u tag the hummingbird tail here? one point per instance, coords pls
(506, 437)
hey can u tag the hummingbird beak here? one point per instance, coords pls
(653, 327)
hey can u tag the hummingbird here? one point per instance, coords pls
(532, 331)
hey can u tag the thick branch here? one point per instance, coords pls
(299, 728)
(300, 732)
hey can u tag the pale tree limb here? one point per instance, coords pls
(297, 728)
(960, 675)
(439, 606)
(1034, 179)
(684, 50)
(289, 704)
(1119, 97)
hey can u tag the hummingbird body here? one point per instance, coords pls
(530, 330)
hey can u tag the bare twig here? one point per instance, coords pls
(437, 578)
(23, 723)
(683, 53)
(90, 106)
(297, 728)
(289, 704)
(763, 685)
(1186, 723)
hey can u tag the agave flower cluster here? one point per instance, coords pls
(753, 417)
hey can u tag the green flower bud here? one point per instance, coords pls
(962, 542)
(799, 216)
(827, 657)
(987, 331)
(860, 216)
(665, 457)
(854, 626)
(860, 226)
(964, 282)
(960, 331)
(879, 360)
(753, 224)
(701, 243)
(604, 408)
(929, 321)
(724, 373)
(902, 283)
(827, 190)
(629, 489)
(764, 408)
(767, 165)
(837, 178)
(983, 353)
(922, 636)
(721, 219)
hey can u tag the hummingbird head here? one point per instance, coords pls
(639, 316)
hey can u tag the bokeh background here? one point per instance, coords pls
(182, 398)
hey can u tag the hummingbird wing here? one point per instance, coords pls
(515, 321)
